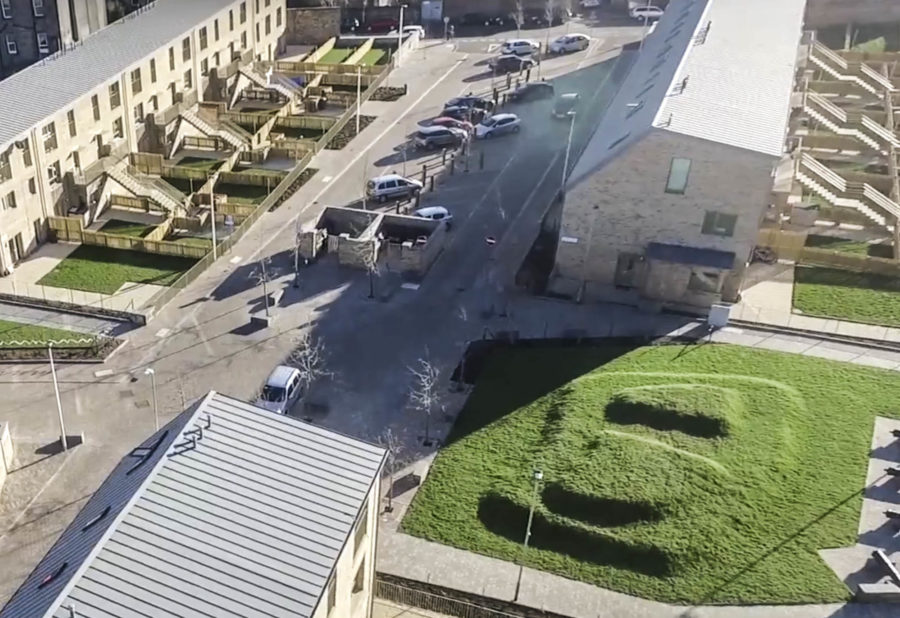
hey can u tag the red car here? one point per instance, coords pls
(382, 25)
(446, 121)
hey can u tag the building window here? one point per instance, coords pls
(49, 135)
(243, 12)
(203, 41)
(43, 43)
(186, 49)
(95, 106)
(115, 98)
(256, 6)
(244, 39)
(139, 113)
(11, 47)
(26, 153)
(32, 186)
(154, 103)
(216, 30)
(215, 60)
(359, 580)
(9, 201)
(5, 169)
(257, 31)
(136, 81)
(152, 70)
(6, 8)
(361, 528)
(53, 174)
(718, 223)
(268, 25)
(117, 128)
(707, 281)
(268, 3)
(188, 82)
(204, 66)
(678, 176)
(38, 7)
(76, 161)
(278, 17)
(230, 21)
(70, 119)
(332, 594)
(171, 58)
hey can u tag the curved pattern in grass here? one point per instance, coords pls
(700, 410)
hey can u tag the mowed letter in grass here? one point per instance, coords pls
(701, 474)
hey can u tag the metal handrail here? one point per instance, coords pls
(835, 58)
(823, 172)
(827, 105)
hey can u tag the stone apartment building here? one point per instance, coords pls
(229, 510)
(63, 115)
(664, 205)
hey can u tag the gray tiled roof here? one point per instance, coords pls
(30, 96)
(739, 59)
(247, 523)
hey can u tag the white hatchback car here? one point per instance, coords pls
(520, 47)
(498, 124)
(646, 13)
(435, 213)
(392, 187)
(282, 389)
(569, 43)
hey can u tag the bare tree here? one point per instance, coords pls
(549, 13)
(309, 358)
(262, 278)
(519, 17)
(393, 447)
(370, 261)
(423, 393)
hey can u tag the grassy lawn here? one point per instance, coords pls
(13, 332)
(336, 56)
(373, 57)
(185, 185)
(705, 474)
(244, 194)
(104, 270)
(127, 228)
(199, 163)
(847, 295)
(855, 247)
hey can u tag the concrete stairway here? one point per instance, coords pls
(230, 136)
(860, 74)
(283, 86)
(140, 188)
(840, 122)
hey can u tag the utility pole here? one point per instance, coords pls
(212, 206)
(59, 410)
(359, 93)
(150, 372)
(400, 37)
(537, 476)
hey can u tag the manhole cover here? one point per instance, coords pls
(142, 404)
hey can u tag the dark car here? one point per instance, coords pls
(483, 19)
(470, 101)
(510, 64)
(438, 136)
(566, 106)
(382, 25)
(464, 113)
(532, 92)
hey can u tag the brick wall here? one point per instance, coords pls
(624, 206)
(313, 25)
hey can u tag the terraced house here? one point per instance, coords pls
(69, 122)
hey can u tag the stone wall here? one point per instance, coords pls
(824, 13)
(312, 26)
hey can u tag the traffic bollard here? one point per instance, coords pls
(467, 163)
(424, 167)
(431, 184)
(481, 160)
(508, 80)
(418, 200)
(452, 164)
(444, 156)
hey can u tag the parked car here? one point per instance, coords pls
(532, 92)
(468, 108)
(392, 187)
(470, 101)
(646, 13)
(498, 124)
(382, 25)
(520, 47)
(569, 43)
(349, 24)
(453, 123)
(435, 213)
(537, 18)
(282, 389)
(411, 30)
(566, 105)
(438, 137)
(510, 63)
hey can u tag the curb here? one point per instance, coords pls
(866, 342)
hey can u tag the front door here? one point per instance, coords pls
(627, 270)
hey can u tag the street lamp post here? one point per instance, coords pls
(565, 170)
(212, 207)
(358, 94)
(400, 37)
(62, 425)
(150, 372)
(537, 476)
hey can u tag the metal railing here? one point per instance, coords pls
(880, 199)
(823, 172)
(827, 105)
(434, 602)
(875, 76)
(829, 54)
(885, 134)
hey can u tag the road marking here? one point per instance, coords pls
(293, 220)
(492, 47)
(326, 179)
(409, 286)
(103, 373)
(163, 332)
(235, 260)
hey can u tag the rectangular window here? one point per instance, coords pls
(154, 103)
(53, 174)
(95, 106)
(26, 153)
(204, 67)
(188, 82)
(268, 3)
(332, 594)
(76, 161)
(6, 8)
(230, 21)
(268, 25)
(707, 281)
(244, 40)
(256, 6)
(257, 31)
(12, 47)
(38, 7)
(49, 135)
(278, 17)
(243, 12)
(32, 186)
(139, 113)
(5, 169)
(43, 43)
(678, 176)
(186, 49)
(136, 81)
(9, 200)
(362, 527)
(171, 58)
(215, 60)
(70, 119)
(203, 41)
(115, 98)
(216, 30)
(152, 70)
(359, 580)
(117, 128)
(718, 224)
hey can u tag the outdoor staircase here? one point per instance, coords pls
(841, 122)
(867, 78)
(230, 136)
(837, 191)
(283, 86)
(140, 187)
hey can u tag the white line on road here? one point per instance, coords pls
(360, 154)
(327, 179)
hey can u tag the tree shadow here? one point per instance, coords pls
(595, 510)
(624, 411)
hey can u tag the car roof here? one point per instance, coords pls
(280, 376)
(517, 42)
(569, 95)
(431, 210)
(388, 177)
(432, 129)
(503, 116)
(446, 119)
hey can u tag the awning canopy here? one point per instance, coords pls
(693, 256)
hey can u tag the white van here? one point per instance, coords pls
(648, 13)
(392, 187)
(520, 47)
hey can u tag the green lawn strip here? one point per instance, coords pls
(199, 163)
(372, 57)
(847, 295)
(855, 247)
(336, 56)
(245, 194)
(104, 270)
(127, 228)
(700, 474)
(16, 334)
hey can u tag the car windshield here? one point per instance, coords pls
(275, 394)
(490, 121)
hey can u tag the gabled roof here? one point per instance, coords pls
(720, 70)
(228, 511)
(32, 95)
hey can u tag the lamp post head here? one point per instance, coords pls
(149, 371)
(538, 475)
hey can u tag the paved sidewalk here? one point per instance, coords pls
(68, 321)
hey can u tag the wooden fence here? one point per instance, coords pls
(250, 177)
(790, 245)
(126, 201)
(70, 229)
(327, 69)
(204, 143)
(306, 121)
(146, 163)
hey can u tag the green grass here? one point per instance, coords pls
(847, 295)
(104, 270)
(185, 185)
(14, 334)
(701, 474)
(199, 163)
(244, 194)
(373, 57)
(854, 247)
(336, 56)
(127, 228)
(190, 241)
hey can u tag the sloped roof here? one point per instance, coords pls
(236, 512)
(32, 95)
(720, 70)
